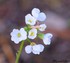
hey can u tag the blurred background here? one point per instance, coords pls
(12, 15)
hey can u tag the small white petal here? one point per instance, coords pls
(14, 32)
(48, 35)
(28, 49)
(35, 12)
(36, 49)
(23, 33)
(42, 27)
(22, 29)
(41, 16)
(16, 41)
(42, 47)
(36, 52)
(30, 19)
(47, 41)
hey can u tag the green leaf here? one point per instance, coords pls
(41, 35)
(27, 29)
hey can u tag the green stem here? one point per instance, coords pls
(28, 40)
(19, 52)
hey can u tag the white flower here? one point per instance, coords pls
(36, 49)
(30, 19)
(18, 35)
(32, 33)
(38, 15)
(47, 38)
(42, 27)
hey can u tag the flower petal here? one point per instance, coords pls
(23, 34)
(28, 49)
(35, 12)
(36, 52)
(48, 35)
(15, 39)
(47, 41)
(14, 32)
(36, 48)
(41, 16)
(42, 47)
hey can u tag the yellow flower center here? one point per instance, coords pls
(32, 34)
(32, 44)
(19, 35)
(30, 21)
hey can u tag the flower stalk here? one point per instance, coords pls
(19, 52)
(28, 40)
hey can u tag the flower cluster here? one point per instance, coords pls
(31, 31)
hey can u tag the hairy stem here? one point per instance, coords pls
(19, 52)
